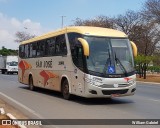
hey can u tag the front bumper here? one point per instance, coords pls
(95, 91)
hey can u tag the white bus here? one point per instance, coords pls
(84, 61)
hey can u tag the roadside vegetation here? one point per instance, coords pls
(5, 52)
(150, 78)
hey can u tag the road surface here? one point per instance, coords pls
(45, 104)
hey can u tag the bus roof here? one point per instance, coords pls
(85, 30)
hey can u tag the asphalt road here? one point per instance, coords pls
(45, 104)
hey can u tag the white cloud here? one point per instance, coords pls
(32, 27)
(15, 23)
(10, 25)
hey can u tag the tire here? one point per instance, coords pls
(3, 71)
(31, 86)
(65, 90)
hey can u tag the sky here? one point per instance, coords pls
(41, 16)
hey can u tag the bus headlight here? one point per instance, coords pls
(131, 82)
(94, 82)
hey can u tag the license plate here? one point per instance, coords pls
(115, 95)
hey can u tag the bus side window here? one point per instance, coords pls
(41, 48)
(32, 51)
(26, 51)
(21, 51)
(60, 45)
(76, 50)
(50, 47)
(78, 57)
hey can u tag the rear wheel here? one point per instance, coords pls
(65, 90)
(31, 86)
(3, 71)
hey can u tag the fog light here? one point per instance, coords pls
(93, 92)
(133, 90)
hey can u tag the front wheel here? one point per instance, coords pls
(65, 90)
(31, 86)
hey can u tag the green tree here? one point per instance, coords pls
(5, 52)
(142, 63)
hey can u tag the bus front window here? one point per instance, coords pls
(109, 56)
(100, 54)
(123, 55)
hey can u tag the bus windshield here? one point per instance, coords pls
(109, 55)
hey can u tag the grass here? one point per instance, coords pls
(150, 78)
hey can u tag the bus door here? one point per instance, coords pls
(78, 74)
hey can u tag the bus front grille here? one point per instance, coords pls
(109, 92)
(112, 86)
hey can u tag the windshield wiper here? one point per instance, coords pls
(109, 57)
(121, 65)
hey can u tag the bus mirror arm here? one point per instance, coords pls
(85, 46)
(134, 48)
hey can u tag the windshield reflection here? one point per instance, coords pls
(13, 63)
(123, 53)
(109, 56)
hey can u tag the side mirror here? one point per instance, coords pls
(134, 48)
(85, 46)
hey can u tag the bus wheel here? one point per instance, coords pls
(31, 86)
(65, 90)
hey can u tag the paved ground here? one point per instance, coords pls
(14, 111)
(46, 104)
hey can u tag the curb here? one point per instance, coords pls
(148, 82)
(2, 112)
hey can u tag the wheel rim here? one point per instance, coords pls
(31, 84)
(65, 90)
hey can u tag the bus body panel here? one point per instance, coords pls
(43, 76)
(78, 86)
